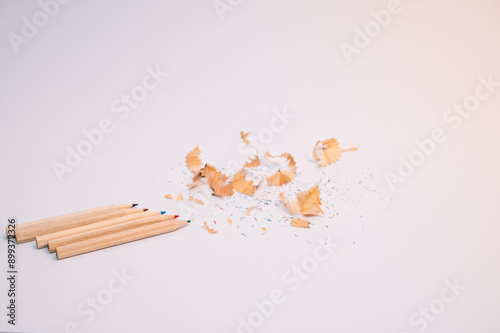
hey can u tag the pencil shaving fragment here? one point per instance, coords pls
(282, 177)
(193, 161)
(230, 221)
(240, 184)
(244, 137)
(210, 230)
(249, 210)
(254, 162)
(180, 197)
(329, 151)
(217, 181)
(196, 181)
(299, 222)
(169, 196)
(291, 205)
(307, 203)
(195, 200)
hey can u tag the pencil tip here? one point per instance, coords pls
(133, 205)
(162, 212)
(188, 221)
(145, 209)
(176, 216)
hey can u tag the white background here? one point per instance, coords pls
(226, 76)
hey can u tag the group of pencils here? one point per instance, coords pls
(94, 229)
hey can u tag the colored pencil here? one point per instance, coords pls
(41, 241)
(29, 231)
(118, 238)
(103, 228)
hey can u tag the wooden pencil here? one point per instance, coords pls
(41, 241)
(89, 212)
(102, 228)
(28, 232)
(118, 238)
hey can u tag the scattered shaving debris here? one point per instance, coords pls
(180, 197)
(169, 196)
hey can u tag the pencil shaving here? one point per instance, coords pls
(217, 181)
(180, 197)
(193, 161)
(169, 196)
(328, 151)
(254, 162)
(195, 200)
(240, 184)
(210, 230)
(299, 222)
(244, 137)
(307, 203)
(282, 177)
(291, 205)
(249, 210)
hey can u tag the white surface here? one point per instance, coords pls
(227, 76)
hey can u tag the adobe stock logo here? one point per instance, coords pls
(454, 118)
(122, 107)
(31, 28)
(372, 29)
(293, 277)
(421, 320)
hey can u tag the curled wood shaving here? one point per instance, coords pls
(282, 177)
(330, 151)
(299, 223)
(307, 203)
(217, 181)
(210, 230)
(193, 161)
(240, 184)
(169, 196)
(244, 137)
(195, 200)
(230, 221)
(180, 197)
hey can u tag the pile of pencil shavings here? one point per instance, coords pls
(246, 180)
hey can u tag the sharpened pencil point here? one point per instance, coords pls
(188, 221)
(176, 216)
(145, 209)
(133, 205)
(162, 212)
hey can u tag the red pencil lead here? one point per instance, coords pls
(176, 216)
(145, 209)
